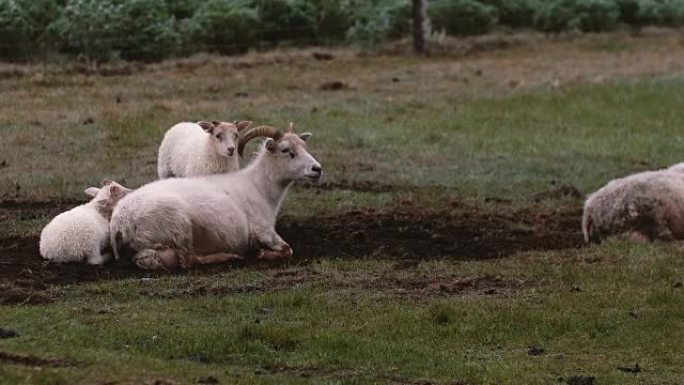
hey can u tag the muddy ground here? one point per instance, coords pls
(406, 235)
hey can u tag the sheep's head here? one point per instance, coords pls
(224, 135)
(108, 195)
(288, 150)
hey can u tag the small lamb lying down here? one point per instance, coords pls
(644, 207)
(82, 233)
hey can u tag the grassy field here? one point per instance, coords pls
(503, 136)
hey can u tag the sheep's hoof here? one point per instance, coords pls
(270, 255)
(148, 260)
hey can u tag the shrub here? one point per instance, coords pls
(377, 21)
(182, 9)
(583, 15)
(462, 17)
(306, 21)
(516, 13)
(107, 29)
(22, 24)
(224, 26)
(660, 12)
(629, 11)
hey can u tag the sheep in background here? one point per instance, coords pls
(644, 206)
(212, 219)
(198, 149)
(679, 167)
(82, 233)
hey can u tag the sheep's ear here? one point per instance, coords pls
(206, 126)
(243, 125)
(270, 145)
(305, 136)
(116, 192)
(92, 191)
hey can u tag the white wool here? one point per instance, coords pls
(82, 233)
(226, 213)
(77, 235)
(647, 205)
(187, 150)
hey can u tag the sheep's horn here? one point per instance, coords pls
(290, 128)
(267, 131)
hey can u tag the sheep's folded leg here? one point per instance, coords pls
(151, 259)
(211, 259)
(283, 252)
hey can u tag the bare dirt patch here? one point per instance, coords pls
(401, 282)
(407, 237)
(24, 210)
(412, 235)
(20, 359)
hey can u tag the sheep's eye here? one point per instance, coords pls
(288, 151)
(218, 136)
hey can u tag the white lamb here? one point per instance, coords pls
(212, 219)
(198, 149)
(82, 233)
(644, 207)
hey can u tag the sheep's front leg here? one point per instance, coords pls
(211, 259)
(273, 246)
(155, 259)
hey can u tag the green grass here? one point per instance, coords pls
(341, 332)
(434, 141)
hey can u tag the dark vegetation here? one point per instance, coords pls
(151, 30)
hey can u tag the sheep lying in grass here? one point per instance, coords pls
(679, 167)
(644, 206)
(82, 233)
(198, 149)
(212, 219)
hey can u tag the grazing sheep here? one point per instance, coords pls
(82, 233)
(644, 206)
(198, 149)
(212, 219)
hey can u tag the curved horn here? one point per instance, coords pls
(290, 128)
(267, 131)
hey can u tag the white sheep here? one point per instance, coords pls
(644, 206)
(198, 149)
(82, 233)
(679, 167)
(211, 219)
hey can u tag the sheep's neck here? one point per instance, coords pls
(103, 210)
(271, 187)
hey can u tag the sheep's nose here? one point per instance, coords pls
(317, 169)
(230, 150)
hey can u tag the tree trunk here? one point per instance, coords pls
(421, 26)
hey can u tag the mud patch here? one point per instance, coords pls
(307, 372)
(20, 359)
(360, 186)
(410, 235)
(26, 210)
(399, 282)
(5, 334)
(405, 236)
(562, 191)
